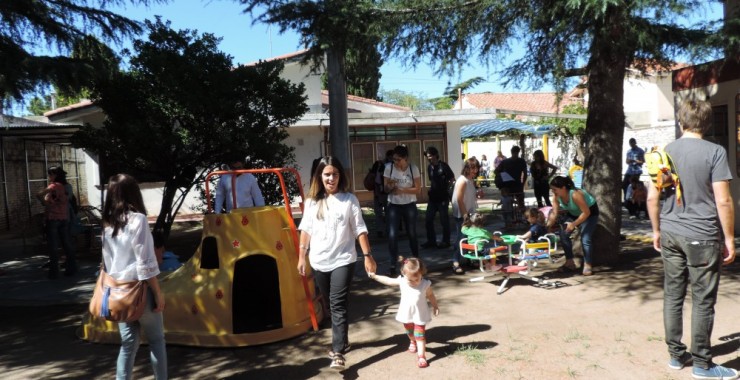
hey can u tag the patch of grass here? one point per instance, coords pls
(595, 366)
(471, 354)
(618, 337)
(500, 371)
(654, 338)
(574, 335)
(572, 373)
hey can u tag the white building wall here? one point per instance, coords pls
(297, 73)
(665, 109)
(724, 94)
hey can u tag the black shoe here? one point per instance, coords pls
(429, 244)
(443, 245)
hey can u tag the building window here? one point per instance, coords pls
(718, 133)
(371, 143)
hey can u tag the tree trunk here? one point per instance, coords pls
(338, 123)
(166, 217)
(604, 134)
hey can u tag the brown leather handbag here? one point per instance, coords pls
(118, 301)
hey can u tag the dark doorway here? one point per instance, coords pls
(256, 295)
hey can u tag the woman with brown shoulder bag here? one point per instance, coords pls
(128, 255)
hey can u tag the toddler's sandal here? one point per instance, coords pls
(412, 347)
(422, 362)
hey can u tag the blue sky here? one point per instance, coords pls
(248, 43)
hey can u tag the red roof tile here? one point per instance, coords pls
(524, 101)
(81, 104)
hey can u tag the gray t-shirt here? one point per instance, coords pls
(699, 163)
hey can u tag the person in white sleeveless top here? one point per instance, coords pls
(464, 203)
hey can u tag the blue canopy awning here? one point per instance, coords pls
(493, 126)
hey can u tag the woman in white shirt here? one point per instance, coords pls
(332, 221)
(128, 255)
(402, 183)
(464, 203)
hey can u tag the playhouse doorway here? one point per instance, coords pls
(256, 303)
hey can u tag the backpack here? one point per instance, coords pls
(371, 178)
(369, 181)
(662, 172)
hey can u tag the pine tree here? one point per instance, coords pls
(61, 26)
(597, 38)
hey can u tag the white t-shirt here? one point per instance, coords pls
(333, 238)
(404, 179)
(129, 256)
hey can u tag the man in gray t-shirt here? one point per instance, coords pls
(695, 236)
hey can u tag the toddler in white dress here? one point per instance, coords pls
(413, 311)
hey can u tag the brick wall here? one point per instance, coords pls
(16, 214)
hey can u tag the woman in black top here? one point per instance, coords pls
(540, 170)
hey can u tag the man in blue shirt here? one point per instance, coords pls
(635, 159)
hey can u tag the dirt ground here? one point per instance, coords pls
(607, 326)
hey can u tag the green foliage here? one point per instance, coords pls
(42, 103)
(567, 126)
(452, 92)
(406, 99)
(25, 26)
(183, 108)
(362, 70)
(442, 103)
(347, 27)
(561, 39)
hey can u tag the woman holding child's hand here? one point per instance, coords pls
(332, 221)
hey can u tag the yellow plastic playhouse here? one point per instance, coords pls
(241, 286)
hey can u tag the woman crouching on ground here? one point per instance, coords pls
(582, 213)
(332, 221)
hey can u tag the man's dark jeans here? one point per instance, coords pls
(444, 218)
(334, 286)
(695, 262)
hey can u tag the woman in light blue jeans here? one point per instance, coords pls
(152, 324)
(128, 255)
